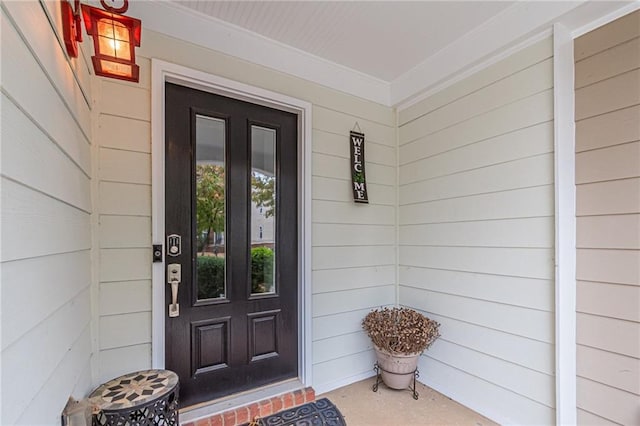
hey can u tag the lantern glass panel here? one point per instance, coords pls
(123, 50)
(105, 28)
(120, 32)
(106, 47)
(115, 68)
(113, 39)
(114, 48)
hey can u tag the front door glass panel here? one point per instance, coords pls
(210, 208)
(263, 210)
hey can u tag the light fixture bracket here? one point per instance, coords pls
(71, 26)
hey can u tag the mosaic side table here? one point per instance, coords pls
(147, 397)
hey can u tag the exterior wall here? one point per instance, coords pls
(123, 139)
(476, 235)
(46, 218)
(607, 80)
(353, 255)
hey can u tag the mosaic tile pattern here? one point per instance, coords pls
(135, 389)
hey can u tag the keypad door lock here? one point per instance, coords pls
(174, 245)
(174, 276)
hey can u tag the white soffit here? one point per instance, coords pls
(391, 53)
(383, 39)
(187, 24)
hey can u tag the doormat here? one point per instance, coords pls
(319, 413)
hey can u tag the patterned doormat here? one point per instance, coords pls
(319, 413)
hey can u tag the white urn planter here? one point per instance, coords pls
(397, 370)
(399, 336)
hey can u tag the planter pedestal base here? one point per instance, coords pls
(379, 370)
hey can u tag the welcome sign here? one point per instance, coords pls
(358, 179)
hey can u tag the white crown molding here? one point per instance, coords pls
(186, 24)
(509, 31)
(599, 14)
(509, 27)
(474, 68)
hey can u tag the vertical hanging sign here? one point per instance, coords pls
(357, 167)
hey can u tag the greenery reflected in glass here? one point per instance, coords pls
(210, 220)
(210, 277)
(263, 189)
(262, 260)
(263, 210)
(209, 203)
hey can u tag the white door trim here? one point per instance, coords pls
(162, 72)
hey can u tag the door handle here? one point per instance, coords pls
(174, 276)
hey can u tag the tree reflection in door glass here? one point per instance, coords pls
(210, 207)
(263, 210)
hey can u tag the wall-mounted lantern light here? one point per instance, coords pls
(114, 35)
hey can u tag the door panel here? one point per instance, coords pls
(231, 194)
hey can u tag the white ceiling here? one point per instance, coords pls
(381, 39)
(389, 52)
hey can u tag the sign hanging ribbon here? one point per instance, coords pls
(358, 179)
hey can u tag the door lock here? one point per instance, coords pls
(174, 245)
(174, 276)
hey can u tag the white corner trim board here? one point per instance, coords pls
(565, 225)
(162, 72)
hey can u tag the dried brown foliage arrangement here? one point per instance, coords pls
(400, 330)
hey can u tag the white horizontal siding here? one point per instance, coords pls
(38, 163)
(328, 326)
(514, 63)
(123, 360)
(609, 129)
(530, 323)
(509, 118)
(518, 203)
(499, 402)
(138, 297)
(513, 348)
(528, 232)
(476, 235)
(521, 143)
(39, 352)
(333, 144)
(123, 135)
(328, 280)
(522, 84)
(46, 218)
(21, 280)
(39, 225)
(351, 213)
(23, 77)
(335, 189)
(607, 79)
(520, 291)
(120, 231)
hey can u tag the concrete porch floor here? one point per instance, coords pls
(361, 406)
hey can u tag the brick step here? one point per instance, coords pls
(242, 415)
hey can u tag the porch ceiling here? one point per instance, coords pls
(389, 52)
(381, 39)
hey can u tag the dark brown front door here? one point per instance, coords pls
(231, 226)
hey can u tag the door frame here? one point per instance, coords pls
(161, 72)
